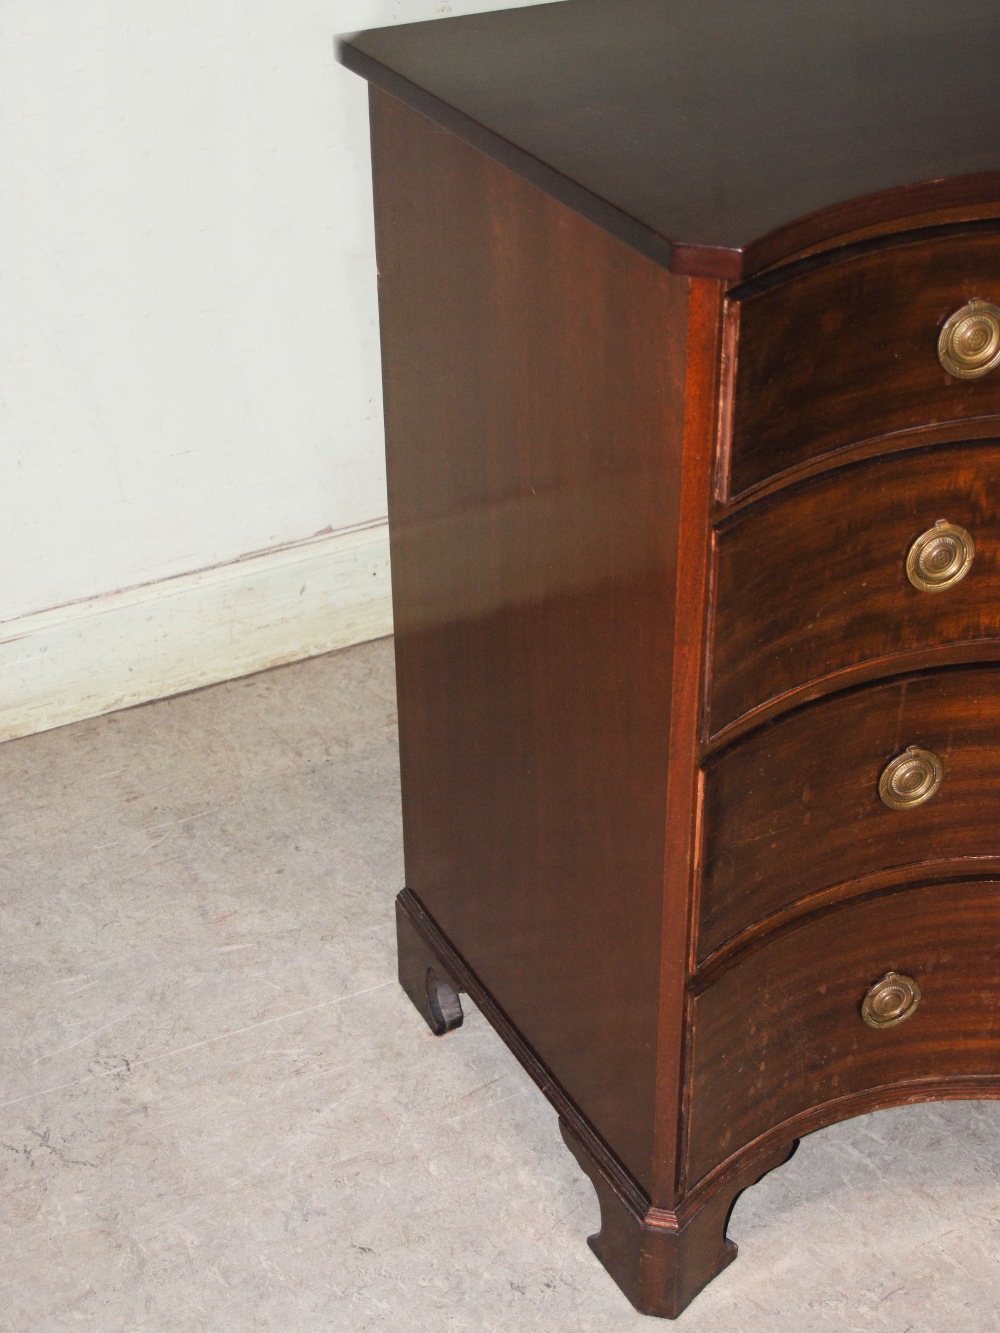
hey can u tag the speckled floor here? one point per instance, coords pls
(220, 1113)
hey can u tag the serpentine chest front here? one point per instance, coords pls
(694, 496)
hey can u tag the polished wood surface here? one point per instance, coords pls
(781, 1032)
(688, 670)
(656, 643)
(812, 583)
(846, 350)
(534, 389)
(715, 136)
(794, 810)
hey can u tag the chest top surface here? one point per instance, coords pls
(696, 129)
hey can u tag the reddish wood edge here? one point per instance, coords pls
(683, 806)
(727, 399)
(889, 665)
(888, 235)
(728, 509)
(922, 203)
(884, 882)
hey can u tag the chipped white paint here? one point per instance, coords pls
(178, 634)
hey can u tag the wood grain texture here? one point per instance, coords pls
(534, 382)
(846, 350)
(643, 523)
(714, 136)
(794, 810)
(812, 582)
(781, 1033)
(687, 678)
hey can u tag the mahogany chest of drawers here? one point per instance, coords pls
(691, 339)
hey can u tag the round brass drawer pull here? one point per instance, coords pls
(910, 779)
(940, 557)
(890, 1001)
(969, 344)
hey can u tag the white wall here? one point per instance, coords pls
(188, 341)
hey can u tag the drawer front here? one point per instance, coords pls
(783, 1031)
(796, 808)
(814, 581)
(849, 352)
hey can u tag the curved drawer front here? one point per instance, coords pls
(783, 1031)
(849, 351)
(814, 581)
(796, 807)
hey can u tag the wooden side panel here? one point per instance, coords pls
(534, 380)
(782, 1033)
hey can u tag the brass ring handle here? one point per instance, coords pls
(969, 342)
(910, 779)
(940, 557)
(890, 1001)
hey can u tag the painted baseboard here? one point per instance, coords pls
(128, 647)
